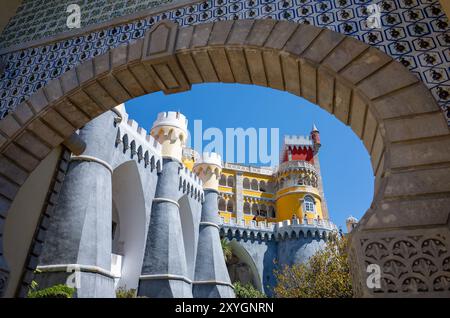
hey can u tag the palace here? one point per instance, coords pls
(141, 211)
(87, 195)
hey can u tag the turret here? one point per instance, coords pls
(170, 130)
(209, 169)
(210, 281)
(315, 136)
(351, 222)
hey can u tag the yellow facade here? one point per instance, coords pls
(290, 203)
(286, 202)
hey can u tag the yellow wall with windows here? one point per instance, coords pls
(291, 203)
(287, 201)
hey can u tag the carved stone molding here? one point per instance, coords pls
(412, 263)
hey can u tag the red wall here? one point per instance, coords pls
(300, 153)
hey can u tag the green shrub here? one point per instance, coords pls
(121, 292)
(57, 291)
(247, 291)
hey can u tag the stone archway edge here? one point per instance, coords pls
(392, 112)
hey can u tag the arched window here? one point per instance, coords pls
(230, 206)
(309, 205)
(223, 180)
(262, 186)
(230, 181)
(247, 208)
(222, 204)
(246, 183)
(271, 213)
(255, 209)
(263, 210)
(255, 184)
(281, 184)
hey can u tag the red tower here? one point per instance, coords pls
(301, 147)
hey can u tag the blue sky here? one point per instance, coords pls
(345, 163)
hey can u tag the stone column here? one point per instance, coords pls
(211, 274)
(239, 196)
(164, 269)
(77, 248)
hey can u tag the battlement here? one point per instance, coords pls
(191, 184)
(132, 128)
(277, 231)
(243, 168)
(135, 140)
(298, 140)
(188, 174)
(173, 119)
(211, 158)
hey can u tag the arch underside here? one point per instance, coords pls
(392, 112)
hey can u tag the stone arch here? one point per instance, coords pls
(382, 102)
(188, 228)
(129, 203)
(244, 256)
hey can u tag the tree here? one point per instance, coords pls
(325, 275)
(247, 291)
(226, 249)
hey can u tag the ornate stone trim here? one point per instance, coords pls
(210, 224)
(212, 282)
(166, 200)
(82, 268)
(92, 159)
(166, 276)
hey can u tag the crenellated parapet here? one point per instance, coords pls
(287, 229)
(209, 169)
(170, 130)
(309, 228)
(238, 228)
(136, 142)
(191, 184)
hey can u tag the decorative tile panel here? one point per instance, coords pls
(414, 32)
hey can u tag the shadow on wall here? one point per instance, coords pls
(129, 215)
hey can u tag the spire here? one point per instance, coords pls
(314, 128)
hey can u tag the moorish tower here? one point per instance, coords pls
(299, 190)
(211, 275)
(164, 270)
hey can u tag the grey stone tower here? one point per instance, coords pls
(164, 270)
(79, 235)
(211, 274)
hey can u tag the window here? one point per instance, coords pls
(309, 204)
(262, 186)
(246, 183)
(230, 206)
(246, 208)
(230, 181)
(222, 204)
(255, 185)
(223, 180)
(255, 210)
